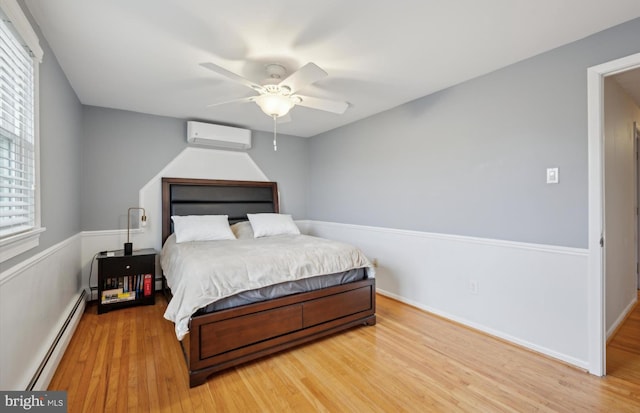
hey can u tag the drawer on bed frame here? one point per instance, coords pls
(230, 335)
(240, 331)
(335, 306)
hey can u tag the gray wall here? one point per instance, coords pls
(122, 151)
(471, 160)
(60, 139)
(289, 166)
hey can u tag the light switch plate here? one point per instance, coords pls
(552, 176)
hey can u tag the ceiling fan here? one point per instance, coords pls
(278, 94)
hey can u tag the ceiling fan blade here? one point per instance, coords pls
(306, 75)
(333, 106)
(236, 78)
(240, 100)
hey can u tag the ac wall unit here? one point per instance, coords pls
(208, 134)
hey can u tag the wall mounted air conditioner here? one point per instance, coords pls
(208, 134)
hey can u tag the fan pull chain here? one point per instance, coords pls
(275, 126)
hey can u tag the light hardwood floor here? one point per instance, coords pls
(130, 360)
(623, 351)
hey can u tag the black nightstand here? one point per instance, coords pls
(126, 280)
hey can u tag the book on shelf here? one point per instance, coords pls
(117, 295)
(148, 279)
(112, 294)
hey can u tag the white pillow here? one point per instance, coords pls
(265, 225)
(242, 230)
(201, 228)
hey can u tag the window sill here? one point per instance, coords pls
(17, 244)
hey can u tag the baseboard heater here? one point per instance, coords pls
(79, 302)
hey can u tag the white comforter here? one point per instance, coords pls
(203, 272)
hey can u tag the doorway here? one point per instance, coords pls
(621, 111)
(597, 300)
(636, 129)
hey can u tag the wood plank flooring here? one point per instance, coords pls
(623, 351)
(411, 361)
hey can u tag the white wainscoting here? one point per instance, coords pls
(37, 298)
(532, 295)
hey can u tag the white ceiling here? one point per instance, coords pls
(144, 55)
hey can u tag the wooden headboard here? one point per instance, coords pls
(183, 196)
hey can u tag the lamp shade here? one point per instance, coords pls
(128, 246)
(274, 105)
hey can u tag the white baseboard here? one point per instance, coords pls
(43, 376)
(616, 324)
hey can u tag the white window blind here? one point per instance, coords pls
(17, 134)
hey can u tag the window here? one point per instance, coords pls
(19, 59)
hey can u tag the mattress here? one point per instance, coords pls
(202, 273)
(287, 288)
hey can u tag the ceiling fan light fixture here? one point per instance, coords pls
(284, 90)
(276, 95)
(274, 104)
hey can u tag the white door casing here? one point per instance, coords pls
(595, 116)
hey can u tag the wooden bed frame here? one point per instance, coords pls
(226, 338)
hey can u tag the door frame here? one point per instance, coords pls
(596, 276)
(636, 149)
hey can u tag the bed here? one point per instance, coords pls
(238, 332)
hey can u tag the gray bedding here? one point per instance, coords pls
(286, 288)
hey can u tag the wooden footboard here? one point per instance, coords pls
(230, 337)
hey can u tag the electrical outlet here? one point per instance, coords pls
(474, 287)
